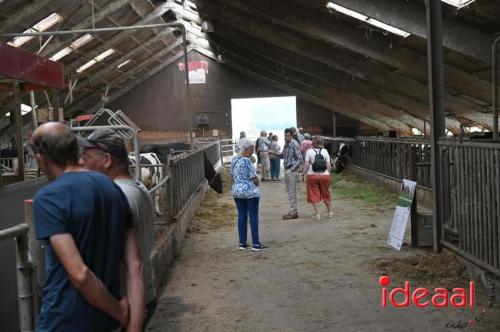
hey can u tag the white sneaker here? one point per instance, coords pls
(316, 216)
(330, 215)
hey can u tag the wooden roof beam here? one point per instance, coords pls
(273, 81)
(336, 58)
(118, 38)
(393, 118)
(326, 28)
(412, 18)
(335, 79)
(132, 84)
(99, 15)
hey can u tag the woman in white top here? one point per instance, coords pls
(317, 163)
(274, 156)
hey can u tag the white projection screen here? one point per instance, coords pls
(273, 114)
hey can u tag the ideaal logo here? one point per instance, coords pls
(439, 298)
(423, 297)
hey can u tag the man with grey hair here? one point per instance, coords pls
(264, 144)
(237, 147)
(105, 152)
(85, 222)
(300, 135)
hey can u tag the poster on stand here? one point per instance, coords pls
(402, 214)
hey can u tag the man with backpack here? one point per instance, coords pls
(317, 163)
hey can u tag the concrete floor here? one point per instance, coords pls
(316, 276)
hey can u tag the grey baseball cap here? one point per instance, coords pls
(106, 140)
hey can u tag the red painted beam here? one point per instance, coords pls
(29, 68)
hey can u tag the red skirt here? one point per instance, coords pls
(318, 188)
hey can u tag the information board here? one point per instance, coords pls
(402, 214)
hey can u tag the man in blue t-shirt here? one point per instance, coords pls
(84, 219)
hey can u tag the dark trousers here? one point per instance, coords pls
(248, 207)
(275, 168)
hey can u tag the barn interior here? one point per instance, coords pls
(412, 71)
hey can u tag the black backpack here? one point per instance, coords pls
(319, 164)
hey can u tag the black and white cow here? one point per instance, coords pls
(341, 159)
(150, 176)
(214, 179)
(164, 150)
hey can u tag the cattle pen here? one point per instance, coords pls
(181, 191)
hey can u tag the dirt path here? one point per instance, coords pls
(316, 275)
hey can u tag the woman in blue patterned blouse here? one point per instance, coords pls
(246, 195)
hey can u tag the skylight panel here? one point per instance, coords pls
(86, 66)
(95, 60)
(81, 41)
(74, 45)
(43, 25)
(458, 3)
(61, 54)
(105, 54)
(367, 19)
(123, 64)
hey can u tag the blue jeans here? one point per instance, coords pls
(275, 168)
(248, 207)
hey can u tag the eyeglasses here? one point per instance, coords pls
(87, 155)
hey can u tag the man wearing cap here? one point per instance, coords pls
(104, 151)
(85, 221)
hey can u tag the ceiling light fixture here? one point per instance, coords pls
(367, 19)
(458, 3)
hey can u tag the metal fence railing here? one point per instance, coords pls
(8, 166)
(470, 187)
(391, 157)
(470, 174)
(226, 149)
(24, 275)
(186, 174)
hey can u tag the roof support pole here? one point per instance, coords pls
(494, 92)
(19, 131)
(436, 101)
(334, 124)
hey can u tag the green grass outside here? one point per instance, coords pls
(347, 185)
